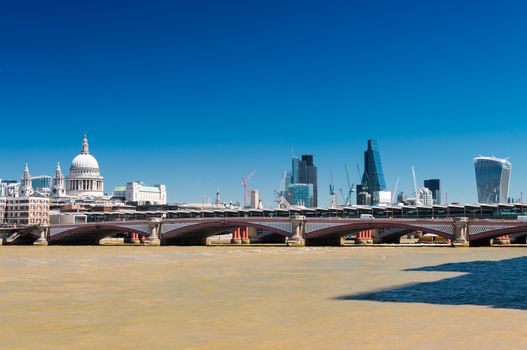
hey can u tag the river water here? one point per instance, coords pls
(262, 298)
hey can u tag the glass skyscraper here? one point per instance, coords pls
(373, 177)
(302, 185)
(492, 179)
(434, 185)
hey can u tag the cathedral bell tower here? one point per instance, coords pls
(26, 188)
(58, 188)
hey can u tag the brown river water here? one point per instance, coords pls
(262, 298)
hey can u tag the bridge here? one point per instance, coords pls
(295, 230)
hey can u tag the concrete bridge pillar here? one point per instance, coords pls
(43, 235)
(236, 236)
(364, 237)
(298, 228)
(245, 235)
(155, 229)
(460, 228)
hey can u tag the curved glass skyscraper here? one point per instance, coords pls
(492, 179)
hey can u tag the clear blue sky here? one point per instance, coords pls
(197, 94)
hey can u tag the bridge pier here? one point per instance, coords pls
(298, 227)
(502, 240)
(460, 228)
(364, 237)
(329, 241)
(245, 235)
(155, 228)
(236, 236)
(43, 236)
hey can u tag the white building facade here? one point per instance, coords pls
(137, 192)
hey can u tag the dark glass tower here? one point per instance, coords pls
(303, 172)
(434, 185)
(307, 174)
(373, 178)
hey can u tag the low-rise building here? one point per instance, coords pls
(26, 211)
(137, 192)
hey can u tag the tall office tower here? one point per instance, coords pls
(434, 185)
(308, 175)
(492, 179)
(373, 177)
(255, 199)
(302, 185)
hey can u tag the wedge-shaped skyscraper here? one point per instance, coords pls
(492, 179)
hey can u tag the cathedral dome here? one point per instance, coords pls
(85, 179)
(84, 161)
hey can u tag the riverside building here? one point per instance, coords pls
(27, 208)
(136, 192)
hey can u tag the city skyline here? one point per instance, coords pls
(198, 95)
(236, 195)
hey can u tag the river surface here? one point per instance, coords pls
(262, 298)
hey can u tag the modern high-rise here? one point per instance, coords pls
(301, 185)
(434, 185)
(255, 199)
(373, 177)
(492, 179)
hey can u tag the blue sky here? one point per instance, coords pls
(197, 94)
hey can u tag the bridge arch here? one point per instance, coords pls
(197, 233)
(343, 230)
(92, 233)
(498, 232)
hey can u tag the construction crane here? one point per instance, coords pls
(218, 199)
(351, 186)
(245, 181)
(395, 190)
(342, 195)
(417, 199)
(332, 196)
(280, 195)
(360, 178)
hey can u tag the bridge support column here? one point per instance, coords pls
(364, 237)
(460, 226)
(43, 236)
(134, 238)
(502, 240)
(155, 228)
(298, 228)
(245, 235)
(236, 236)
